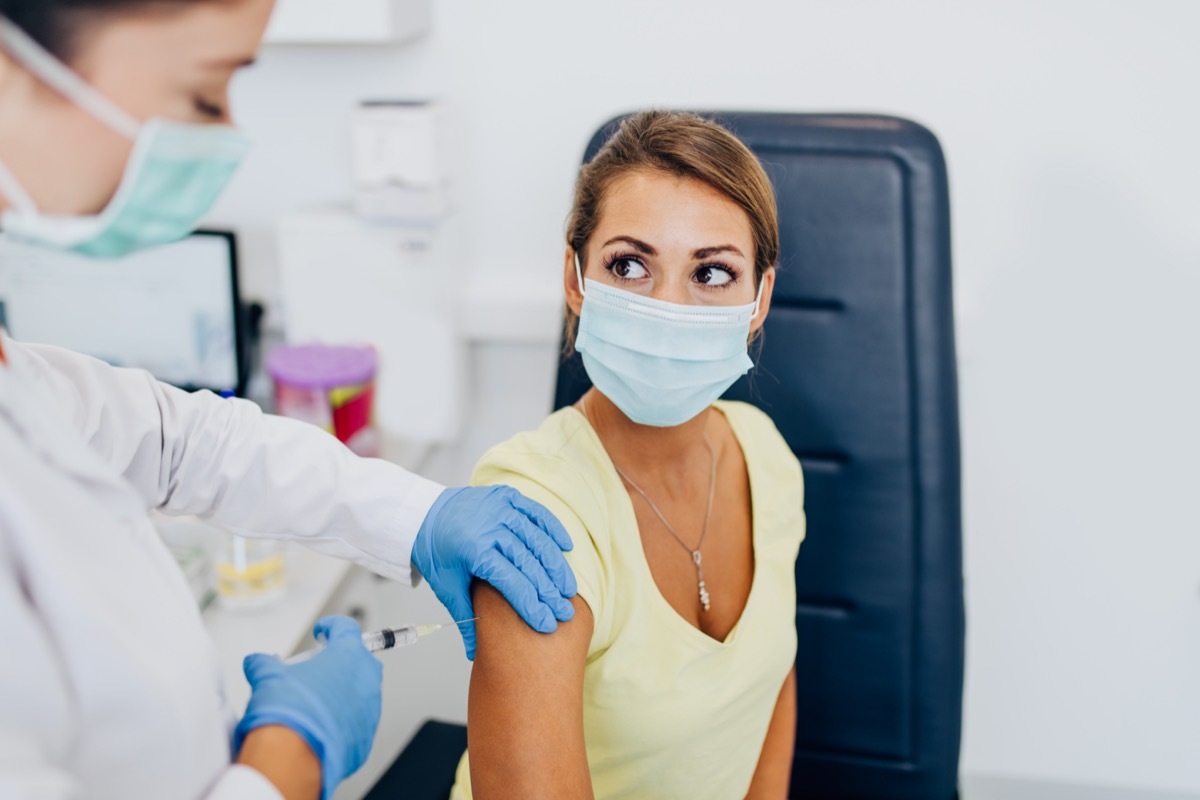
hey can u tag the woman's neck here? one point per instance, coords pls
(667, 454)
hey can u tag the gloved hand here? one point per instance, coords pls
(332, 700)
(496, 534)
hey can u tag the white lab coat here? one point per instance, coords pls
(109, 686)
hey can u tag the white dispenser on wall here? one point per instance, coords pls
(326, 22)
(346, 281)
(401, 167)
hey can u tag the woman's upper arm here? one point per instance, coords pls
(525, 713)
(773, 774)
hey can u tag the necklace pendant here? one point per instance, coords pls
(704, 599)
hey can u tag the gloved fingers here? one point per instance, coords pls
(458, 603)
(543, 518)
(517, 590)
(547, 552)
(333, 628)
(258, 666)
(513, 548)
(467, 629)
(332, 700)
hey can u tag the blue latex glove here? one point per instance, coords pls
(499, 535)
(332, 700)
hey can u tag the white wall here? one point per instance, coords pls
(1070, 130)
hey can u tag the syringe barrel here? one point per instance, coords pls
(406, 635)
(378, 640)
(388, 638)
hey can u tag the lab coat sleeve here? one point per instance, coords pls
(224, 460)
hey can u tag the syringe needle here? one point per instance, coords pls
(385, 638)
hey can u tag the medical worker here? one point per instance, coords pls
(115, 136)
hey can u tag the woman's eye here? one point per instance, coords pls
(628, 268)
(713, 276)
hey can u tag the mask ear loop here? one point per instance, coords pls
(579, 275)
(12, 189)
(62, 79)
(758, 300)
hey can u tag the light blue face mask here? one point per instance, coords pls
(175, 172)
(661, 363)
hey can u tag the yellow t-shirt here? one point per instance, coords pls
(668, 711)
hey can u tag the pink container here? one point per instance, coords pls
(330, 386)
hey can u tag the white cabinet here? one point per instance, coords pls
(345, 281)
(348, 21)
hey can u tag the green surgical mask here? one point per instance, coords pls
(174, 174)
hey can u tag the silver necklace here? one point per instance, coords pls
(697, 558)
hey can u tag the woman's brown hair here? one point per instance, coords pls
(686, 146)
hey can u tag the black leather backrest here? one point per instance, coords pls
(857, 369)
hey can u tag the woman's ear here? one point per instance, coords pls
(764, 303)
(571, 287)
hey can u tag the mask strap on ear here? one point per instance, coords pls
(758, 300)
(579, 274)
(61, 78)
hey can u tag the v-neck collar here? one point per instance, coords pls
(660, 604)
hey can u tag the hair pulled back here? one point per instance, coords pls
(56, 24)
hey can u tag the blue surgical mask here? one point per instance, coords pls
(175, 172)
(661, 363)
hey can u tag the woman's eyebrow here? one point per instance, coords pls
(637, 244)
(705, 252)
(702, 253)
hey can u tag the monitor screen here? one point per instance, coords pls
(172, 310)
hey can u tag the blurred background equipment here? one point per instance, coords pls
(251, 573)
(174, 311)
(356, 22)
(332, 387)
(393, 287)
(400, 164)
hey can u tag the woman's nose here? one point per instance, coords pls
(673, 291)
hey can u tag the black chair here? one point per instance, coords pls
(425, 770)
(857, 369)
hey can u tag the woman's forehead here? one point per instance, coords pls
(672, 209)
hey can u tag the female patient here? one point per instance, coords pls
(675, 677)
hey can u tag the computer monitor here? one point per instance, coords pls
(173, 310)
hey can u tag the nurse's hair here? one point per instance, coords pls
(56, 24)
(685, 146)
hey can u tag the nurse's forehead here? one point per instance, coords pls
(661, 205)
(198, 36)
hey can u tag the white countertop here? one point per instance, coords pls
(313, 580)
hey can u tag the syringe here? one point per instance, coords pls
(383, 639)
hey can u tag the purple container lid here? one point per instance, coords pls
(320, 366)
